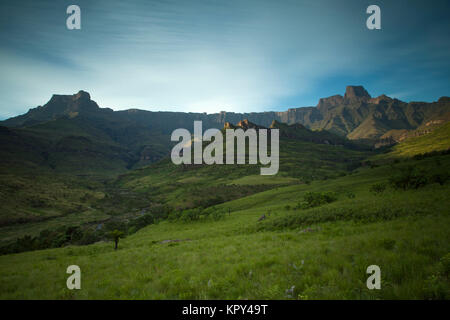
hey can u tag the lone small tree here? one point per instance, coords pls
(116, 235)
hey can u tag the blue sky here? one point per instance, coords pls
(211, 55)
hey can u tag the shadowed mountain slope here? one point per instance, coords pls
(356, 114)
(74, 129)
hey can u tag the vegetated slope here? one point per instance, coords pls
(51, 174)
(436, 140)
(305, 155)
(72, 134)
(61, 148)
(36, 185)
(296, 252)
(401, 230)
(51, 192)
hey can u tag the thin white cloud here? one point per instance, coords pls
(201, 55)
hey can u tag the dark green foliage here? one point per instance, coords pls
(388, 244)
(445, 265)
(409, 178)
(197, 214)
(437, 284)
(209, 201)
(201, 196)
(315, 199)
(174, 215)
(89, 237)
(378, 188)
(422, 156)
(115, 235)
(330, 214)
(350, 195)
(140, 223)
(47, 239)
(190, 215)
(218, 214)
(115, 224)
(439, 177)
(418, 175)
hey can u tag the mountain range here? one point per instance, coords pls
(73, 128)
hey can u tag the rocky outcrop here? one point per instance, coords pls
(356, 93)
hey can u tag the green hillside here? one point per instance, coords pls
(57, 191)
(437, 140)
(297, 252)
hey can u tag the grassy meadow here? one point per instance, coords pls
(297, 252)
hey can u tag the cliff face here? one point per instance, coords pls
(58, 106)
(70, 130)
(355, 115)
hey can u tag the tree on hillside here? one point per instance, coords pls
(116, 235)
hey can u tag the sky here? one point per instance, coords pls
(214, 55)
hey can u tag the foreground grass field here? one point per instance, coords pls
(315, 253)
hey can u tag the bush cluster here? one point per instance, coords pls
(378, 188)
(83, 235)
(46, 239)
(189, 215)
(413, 178)
(315, 199)
(431, 154)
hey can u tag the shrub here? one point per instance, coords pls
(350, 195)
(388, 244)
(408, 178)
(218, 214)
(440, 178)
(174, 215)
(437, 284)
(89, 236)
(142, 222)
(377, 188)
(315, 199)
(190, 215)
(445, 265)
(115, 224)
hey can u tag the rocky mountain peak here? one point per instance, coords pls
(379, 99)
(245, 124)
(356, 92)
(326, 103)
(276, 124)
(229, 125)
(82, 95)
(63, 105)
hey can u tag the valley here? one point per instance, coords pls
(73, 173)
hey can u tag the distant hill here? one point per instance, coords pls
(305, 156)
(421, 142)
(68, 171)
